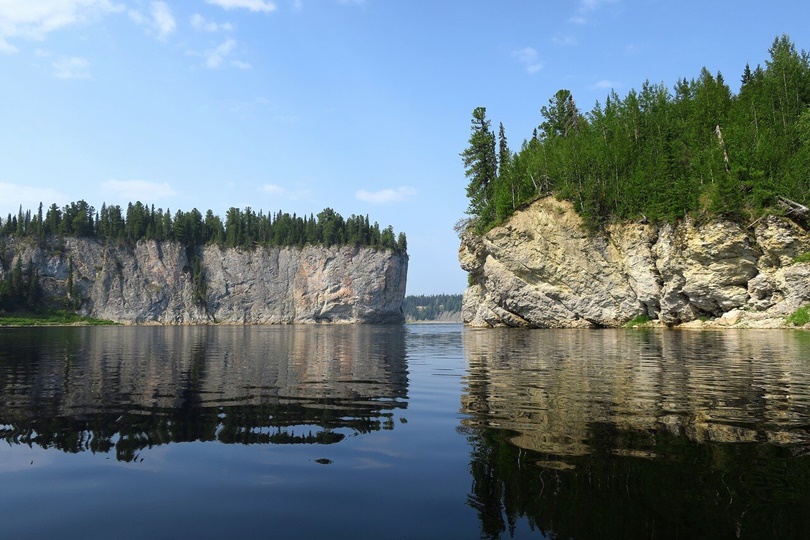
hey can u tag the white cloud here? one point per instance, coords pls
(297, 5)
(529, 58)
(6, 47)
(605, 84)
(199, 23)
(385, 196)
(164, 20)
(160, 19)
(71, 67)
(214, 57)
(137, 17)
(14, 195)
(273, 189)
(138, 190)
(292, 194)
(350, 1)
(34, 19)
(564, 41)
(592, 5)
(264, 6)
(589, 6)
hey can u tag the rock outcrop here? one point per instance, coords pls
(541, 269)
(152, 282)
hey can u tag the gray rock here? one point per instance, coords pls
(151, 282)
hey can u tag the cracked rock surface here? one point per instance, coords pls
(542, 269)
(151, 282)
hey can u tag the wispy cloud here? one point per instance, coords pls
(36, 19)
(27, 196)
(214, 57)
(71, 67)
(160, 19)
(586, 7)
(351, 1)
(138, 190)
(297, 5)
(6, 47)
(385, 196)
(291, 194)
(564, 41)
(263, 6)
(164, 20)
(605, 84)
(199, 23)
(220, 55)
(529, 58)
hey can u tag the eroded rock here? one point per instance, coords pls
(541, 269)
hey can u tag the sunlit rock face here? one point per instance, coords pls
(542, 269)
(152, 282)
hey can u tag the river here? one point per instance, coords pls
(414, 431)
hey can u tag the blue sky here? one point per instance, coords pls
(297, 105)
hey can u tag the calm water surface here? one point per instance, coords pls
(420, 431)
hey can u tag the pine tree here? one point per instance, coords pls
(480, 166)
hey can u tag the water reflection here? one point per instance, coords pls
(126, 389)
(623, 434)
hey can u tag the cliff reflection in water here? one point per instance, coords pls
(631, 434)
(127, 389)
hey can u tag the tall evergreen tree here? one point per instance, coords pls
(480, 164)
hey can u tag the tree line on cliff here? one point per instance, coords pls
(241, 228)
(20, 289)
(658, 154)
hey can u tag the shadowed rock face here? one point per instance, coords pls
(541, 269)
(152, 282)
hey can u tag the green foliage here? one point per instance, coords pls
(658, 154)
(20, 290)
(640, 320)
(242, 228)
(803, 258)
(480, 165)
(199, 285)
(51, 318)
(800, 317)
(430, 308)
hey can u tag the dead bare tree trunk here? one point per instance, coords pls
(723, 146)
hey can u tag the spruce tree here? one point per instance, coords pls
(480, 166)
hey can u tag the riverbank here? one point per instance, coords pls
(51, 318)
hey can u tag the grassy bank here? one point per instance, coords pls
(50, 318)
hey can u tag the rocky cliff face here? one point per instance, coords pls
(541, 269)
(151, 282)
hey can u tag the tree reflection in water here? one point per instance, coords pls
(127, 389)
(624, 434)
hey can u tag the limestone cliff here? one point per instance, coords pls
(541, 269)
(151, 282)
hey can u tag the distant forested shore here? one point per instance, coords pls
(434, 307)
(657, 154)
(241, 228)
